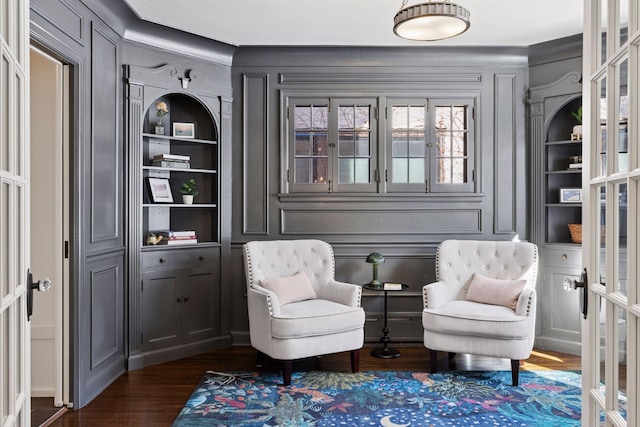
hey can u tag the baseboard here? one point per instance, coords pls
(240, 338)
(555, 344)
(155, 357)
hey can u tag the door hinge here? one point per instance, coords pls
(66, 249)
(473, 175)
(288, 113)
(141, 285)
(386, 113)
(288, 175)
(386, 175)
(473, 112)
(375, 113)
(426, 186)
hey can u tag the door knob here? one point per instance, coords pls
(569, 284)
(43, 285)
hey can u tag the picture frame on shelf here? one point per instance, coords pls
(184, 130)
(571, 195)
(160, 190)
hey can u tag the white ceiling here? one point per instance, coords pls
(358, 22)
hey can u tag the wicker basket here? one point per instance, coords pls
(576, 232)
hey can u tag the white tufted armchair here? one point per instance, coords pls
(456, 324)
(330, 323)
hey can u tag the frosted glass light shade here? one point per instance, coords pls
(431, 21)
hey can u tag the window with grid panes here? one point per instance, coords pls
(334, 145)
(431, 145)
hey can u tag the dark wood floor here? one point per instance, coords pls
(155, 395)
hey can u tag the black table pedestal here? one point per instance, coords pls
(385, 352)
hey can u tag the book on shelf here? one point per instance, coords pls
(179, 237)
(178, 241)
(172, 164)
(176, 233)
(167, 156)
(392, 286)
(575, 165)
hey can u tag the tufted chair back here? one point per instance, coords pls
(458, 260)
(279, 258)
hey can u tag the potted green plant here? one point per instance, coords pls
(188, 191)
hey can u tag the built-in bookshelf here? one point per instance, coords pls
(176, 302)
(169, 159)
(563, 176)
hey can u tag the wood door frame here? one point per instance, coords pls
(73, 65)
(60, 211)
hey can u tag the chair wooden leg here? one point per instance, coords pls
(287, 366)
(260, 359)
(355, 360)
(433, 360)
(515, 370)
(451, 361)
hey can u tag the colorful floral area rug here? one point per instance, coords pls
(386, 399)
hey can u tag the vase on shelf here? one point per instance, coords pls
(576, 133)
(187, 199)
(159, 128)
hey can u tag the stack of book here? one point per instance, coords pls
(177, 237)
(172, 161)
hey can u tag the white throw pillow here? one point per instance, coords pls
(291, 288)
(495, 291)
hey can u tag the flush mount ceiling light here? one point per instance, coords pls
(430, 21)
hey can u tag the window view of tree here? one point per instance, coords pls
(333, 145)
(408, 144)
(354, 145)
(451, 144)
(311, 144)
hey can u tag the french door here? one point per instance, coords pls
(14, 213)
(611, 203)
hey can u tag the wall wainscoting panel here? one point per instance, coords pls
(106, 142)
(255, 145)
(381, 222)
(64, 17)
(505, 176)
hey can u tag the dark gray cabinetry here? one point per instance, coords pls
(179, 290)
(558, 309)
(551, 124)
(176, 300)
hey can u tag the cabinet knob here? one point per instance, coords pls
(201, 258)
(186, 299)
(178, 299)
(163, 259)
(563, 257)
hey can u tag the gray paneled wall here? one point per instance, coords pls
(404, 227)
(76, 36)
(88, 35)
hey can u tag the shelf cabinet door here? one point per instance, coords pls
(161, 306)
(559, 309)
(200, 288)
